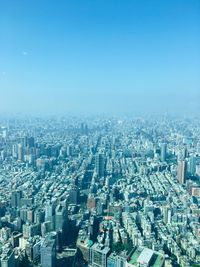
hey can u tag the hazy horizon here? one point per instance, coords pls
(99, 57)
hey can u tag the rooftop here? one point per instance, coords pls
(144, 256)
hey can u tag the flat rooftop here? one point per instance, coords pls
(146, 256)
(135, 256)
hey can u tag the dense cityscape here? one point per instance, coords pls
(99, 192)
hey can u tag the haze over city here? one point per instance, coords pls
(99, 133)
(99, 56)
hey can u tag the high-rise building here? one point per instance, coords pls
(60, 217)
(50, 214)
(73, 196)
(84, 129)
(121, 259)
(39, 216)
(182, 171)
(100, 165)
(182, 154)
(30, 142)
(112, 260)
(15, 151)
(91, 202)
(48, 252)
(8, 258)
(167, 214)
(16, 198)
(70, 150)
(192, 165)
(163, 152)
(98, 255)
(20, 152)
(30, 230)
(15, 238)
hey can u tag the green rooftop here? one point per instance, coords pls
(89, 243)
(135, 256)
(158, 261)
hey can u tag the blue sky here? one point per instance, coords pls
(94, 56)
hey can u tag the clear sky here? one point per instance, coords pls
(117, 56)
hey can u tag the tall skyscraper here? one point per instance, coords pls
(182, 171)
(182, 154)
(16, 198)
(60, 217)
(167, 214)
(48, 252)
(100, 164)
(163, 152)
(50, 214)
(192, 165)
(20, 152)
(84, 129)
